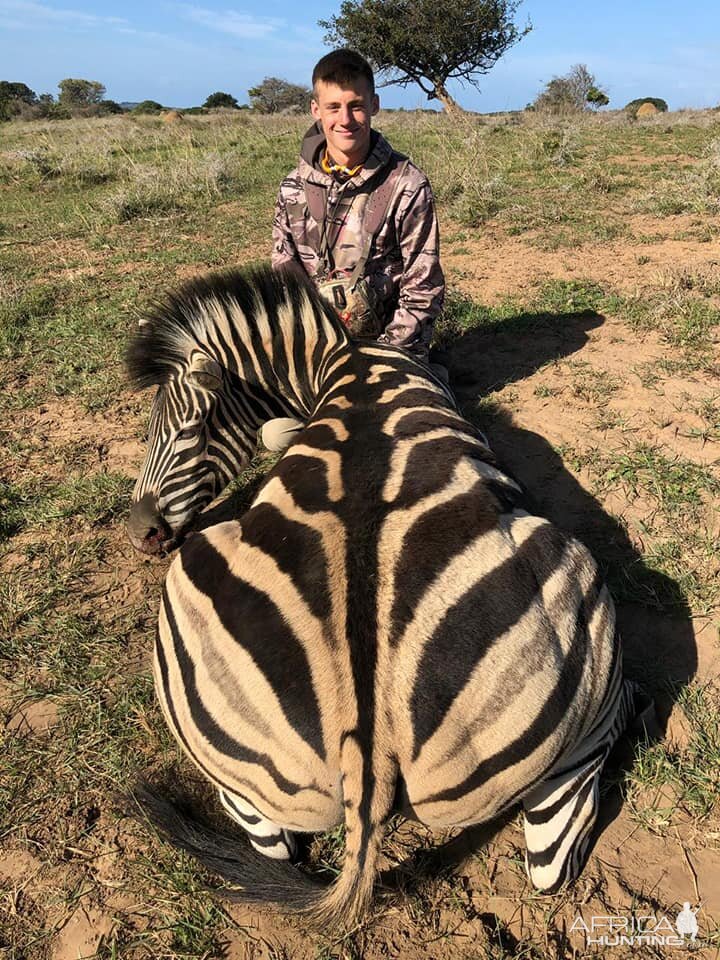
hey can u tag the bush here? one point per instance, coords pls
(110, 106)
(57, 111)
(573, 93)
(634, 105)
(221, 99)
(148, 106)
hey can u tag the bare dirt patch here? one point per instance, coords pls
(493, 266)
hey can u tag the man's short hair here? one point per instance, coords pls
(342, 67)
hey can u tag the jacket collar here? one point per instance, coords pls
(313, 149)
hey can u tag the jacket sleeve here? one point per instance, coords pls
(422, 284)
(283, 244)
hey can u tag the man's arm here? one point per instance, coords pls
(283, 244)
(422, 284)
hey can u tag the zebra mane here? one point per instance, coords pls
(180, 319)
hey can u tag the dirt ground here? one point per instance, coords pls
(457, 897)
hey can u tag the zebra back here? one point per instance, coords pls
(385, 620)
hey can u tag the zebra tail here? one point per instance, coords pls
(369, 793)
(259, 879)
(254, 878)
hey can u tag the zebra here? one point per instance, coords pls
(385, 629)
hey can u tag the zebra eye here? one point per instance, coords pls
(189, 433)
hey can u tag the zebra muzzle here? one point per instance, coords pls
(148, 531)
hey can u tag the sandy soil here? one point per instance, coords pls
(631, 869)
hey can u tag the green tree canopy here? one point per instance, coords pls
(16, 91)
(274, 95)
(426, 42)
(12, 98)
(635, 105)
(80, 93)
(597, 98)
(221, 99)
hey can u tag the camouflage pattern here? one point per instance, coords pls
(403, 268)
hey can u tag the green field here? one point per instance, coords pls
(581, 331)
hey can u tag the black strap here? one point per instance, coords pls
(374, 217)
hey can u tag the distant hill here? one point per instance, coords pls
(127, 105)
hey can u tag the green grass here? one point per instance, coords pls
(669, 783)
(678, 498)
(99, 497)
(677, 486)
(98, 217)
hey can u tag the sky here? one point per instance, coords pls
(179, 53)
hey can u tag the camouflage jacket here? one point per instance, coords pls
(403, 267)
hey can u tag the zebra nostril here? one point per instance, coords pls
(146, 526)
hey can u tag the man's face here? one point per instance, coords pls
(345, 114)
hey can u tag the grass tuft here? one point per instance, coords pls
(670, 783)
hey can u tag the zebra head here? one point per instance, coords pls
(227, 353)
(190, 457)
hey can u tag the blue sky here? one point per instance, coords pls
(178, 53)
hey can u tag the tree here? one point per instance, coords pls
(16, 91)
(220, 99)
(80, 93)
(274, 95)
(597, 98)
(426, 42)
(574, 92)
(13, 96)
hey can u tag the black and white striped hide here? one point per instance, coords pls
(227, 352)
(385, 620)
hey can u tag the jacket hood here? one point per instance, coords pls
(312, 150)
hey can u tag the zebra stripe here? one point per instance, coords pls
(385, 620)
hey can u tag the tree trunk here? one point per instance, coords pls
(452, 107)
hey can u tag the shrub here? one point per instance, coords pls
(574, 92)
(221, 99)
(148, 106)
(634, 105)
(110, 106)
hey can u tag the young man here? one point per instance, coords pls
(355, 209)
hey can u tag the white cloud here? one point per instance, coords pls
(232, 22)
(25, 11)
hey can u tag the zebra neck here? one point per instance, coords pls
(379, 379)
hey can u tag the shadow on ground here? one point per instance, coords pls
(653, 615)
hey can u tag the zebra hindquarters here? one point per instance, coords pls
(239, 687)
(515, 678)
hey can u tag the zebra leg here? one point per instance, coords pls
(560, 813)
(264, 835)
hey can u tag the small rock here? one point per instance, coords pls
(38, 716)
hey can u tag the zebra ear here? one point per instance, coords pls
(205, 373)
